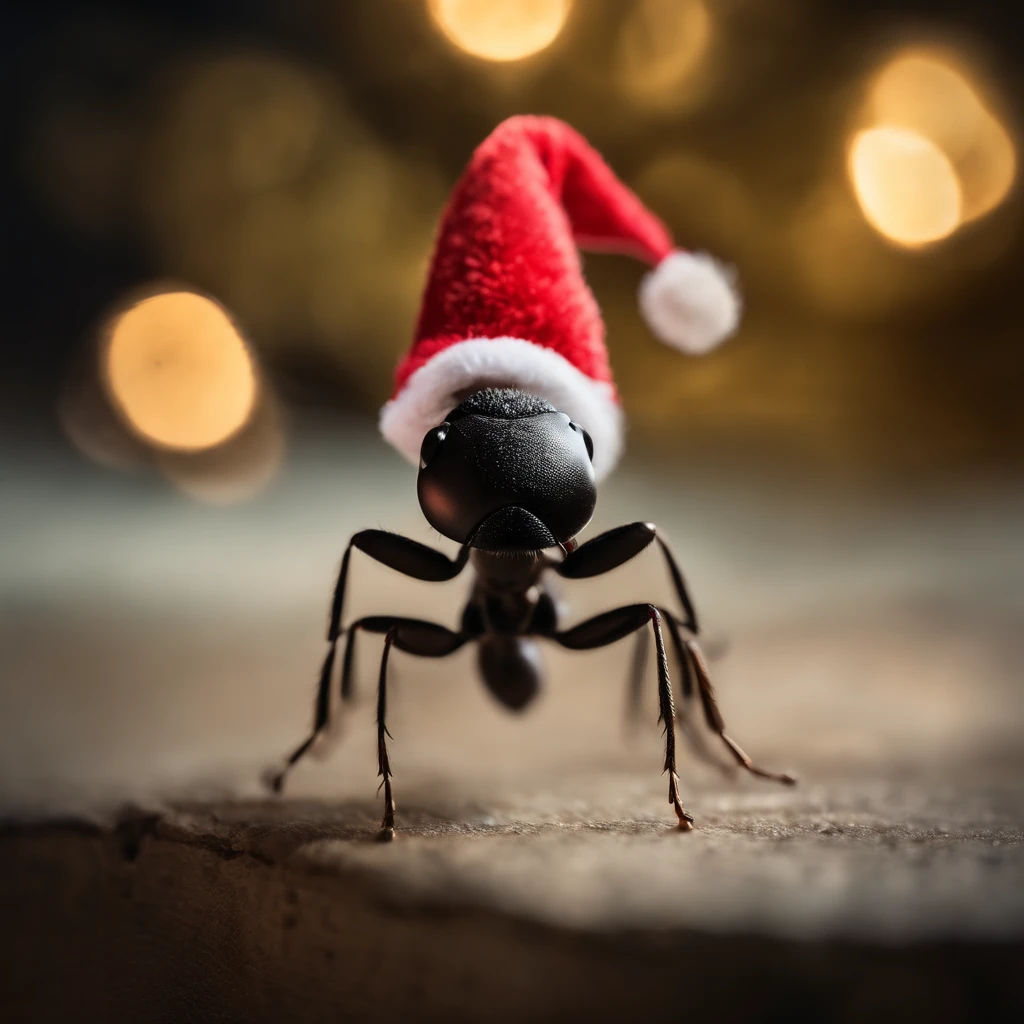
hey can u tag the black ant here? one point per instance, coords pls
(510, 478)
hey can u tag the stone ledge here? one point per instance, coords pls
(289, 911)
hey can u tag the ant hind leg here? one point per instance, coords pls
(716, 723)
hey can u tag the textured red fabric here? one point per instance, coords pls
(506, 262)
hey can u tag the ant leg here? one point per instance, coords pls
(346, 665)
(416, 636)
(605, 629)
(409, 557)
(686, 723)
(387, 825)
(400, 553)
(321, 714)
(634, 692)
(638, 669)
(613, 548)
(717, 724)
(373, 624)
(346, 692)
(667, 715)
(679, 585)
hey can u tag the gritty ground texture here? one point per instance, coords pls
(159, 655)
(805, 907)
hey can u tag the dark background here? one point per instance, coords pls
(122, 122)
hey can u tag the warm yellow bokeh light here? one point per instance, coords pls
(660, 46)
(927, 92)
(179, 373)
(988, 171)
(906, 186)
(90, 424)
(236, 471)
(500, 30)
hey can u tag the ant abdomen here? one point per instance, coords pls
(512, 669)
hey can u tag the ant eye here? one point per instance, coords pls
(586, 438)
(431, 443)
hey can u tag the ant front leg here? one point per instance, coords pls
(409, 557)
(613, 548)
(605, 629)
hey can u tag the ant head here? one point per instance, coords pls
(507, 471)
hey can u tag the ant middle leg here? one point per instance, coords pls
(615, 547)
(686, 696)
(605, 629)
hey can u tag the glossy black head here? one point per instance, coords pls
(508, 470)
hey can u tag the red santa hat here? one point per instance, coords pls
(506, 304)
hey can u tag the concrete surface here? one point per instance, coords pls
(158, 655)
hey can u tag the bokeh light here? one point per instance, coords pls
(925, 91)
(250, 120)
(237, 470)
(927, 94)
(91, 425)
(660, 47)
(500, 30)
(178, 371)
(843, 272)
(920, 91)
(988, 171)
(905, 185)
(326, 243)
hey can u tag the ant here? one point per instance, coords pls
(510, 478)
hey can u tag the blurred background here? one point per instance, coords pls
(217, 219)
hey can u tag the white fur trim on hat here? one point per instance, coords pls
(690, 301)
(455, 372)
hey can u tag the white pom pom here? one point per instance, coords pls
(690, 302)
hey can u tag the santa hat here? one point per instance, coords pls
(506, 304)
